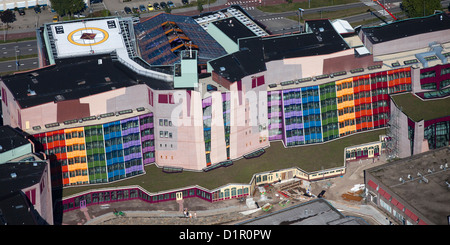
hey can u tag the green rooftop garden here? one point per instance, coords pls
(417, 109)
(310, 158)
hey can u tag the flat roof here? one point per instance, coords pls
(407, 28)
(239, 64)
(11, 138)
(430, 198)
(13, 202)
(418, 109)
(320, 38)
(86, 37)
(74, 78)
(315, 212)
(233, 28)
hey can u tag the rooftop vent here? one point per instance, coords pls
(59, 97)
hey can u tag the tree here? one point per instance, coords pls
(167, 9)
(7, 17)
(200, 6)
(419, 8)
(69, 7)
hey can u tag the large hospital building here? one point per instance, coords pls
(190, 93)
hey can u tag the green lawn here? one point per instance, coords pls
(309, 158)
(418, 110)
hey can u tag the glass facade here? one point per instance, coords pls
(99, 153)
(314, 114)
(438, 134)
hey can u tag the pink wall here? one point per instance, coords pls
(40, 195)
(186, 148)
(409, 43)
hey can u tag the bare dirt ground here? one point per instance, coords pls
(340, 189)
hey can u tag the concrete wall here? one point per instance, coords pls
(400, 125)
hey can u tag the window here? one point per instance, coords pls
(444, 83)
(427, 74)
(165, 99)
(428, 86)
(445, 71)
(258, 81)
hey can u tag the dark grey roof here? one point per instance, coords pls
(315, 212)
(426, 191)
(233, 28)
(74, 78)
(407, 28)
(255, 51)
(11, 138)
(322, 39)
(239, 64)
(14, 204)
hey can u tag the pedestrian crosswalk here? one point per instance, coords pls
(244, 4)
(241, 2)
(269, 19)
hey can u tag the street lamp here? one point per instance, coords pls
(300, 15)
(17, 62)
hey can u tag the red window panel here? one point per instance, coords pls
(4, 97)
(31, 194)
(421, 222)
(260, 81)
(411, 214)
(394, 201)
(163, 98)
(150, 97)
(387, 196)
(400, 206)
(372, 184)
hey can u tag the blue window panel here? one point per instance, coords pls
(307, 137)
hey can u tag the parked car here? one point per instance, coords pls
(185, 1)
(55, 18)
(142, 8)
(150, 7)
(156, 6)
(170, 4)
(21, 12)
(135, 10)
(78, 15)
(163, 4)
(127, 10)
(37, 9)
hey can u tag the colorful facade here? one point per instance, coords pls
(100, 153)
(313, 114)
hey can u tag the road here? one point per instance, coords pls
(24, 64)
(22, 48)
(278, 23)
(13, 50)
